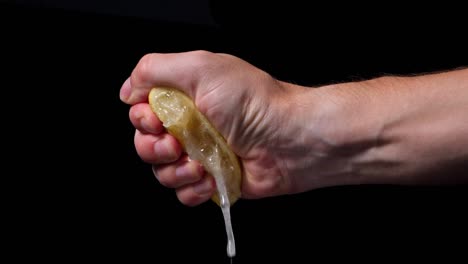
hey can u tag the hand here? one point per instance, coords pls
(248, 107)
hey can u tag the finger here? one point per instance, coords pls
(198, 192)
(178, 70)
(143, 119)
(183, 171)
(157, 149)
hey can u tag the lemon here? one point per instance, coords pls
(200, 140)
(203, 143)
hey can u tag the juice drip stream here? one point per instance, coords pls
(225, 208)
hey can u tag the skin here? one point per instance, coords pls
(291, 138)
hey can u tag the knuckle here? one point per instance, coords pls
(202, 58)
(143, 69)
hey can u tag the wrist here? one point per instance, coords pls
(329, 127)
(344, 130)
(350, 120)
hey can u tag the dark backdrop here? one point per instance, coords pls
(82, 193)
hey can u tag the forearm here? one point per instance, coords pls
(426, 129)
(396, 130)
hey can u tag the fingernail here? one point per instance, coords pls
(153, 168)
(182, 171)
(203, 187)
(165, 152)
(189, 170)
(145, 124)
(126, 90)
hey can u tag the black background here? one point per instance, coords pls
(82, 194)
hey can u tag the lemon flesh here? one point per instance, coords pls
(203, 143)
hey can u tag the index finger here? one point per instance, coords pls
(177, 70)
